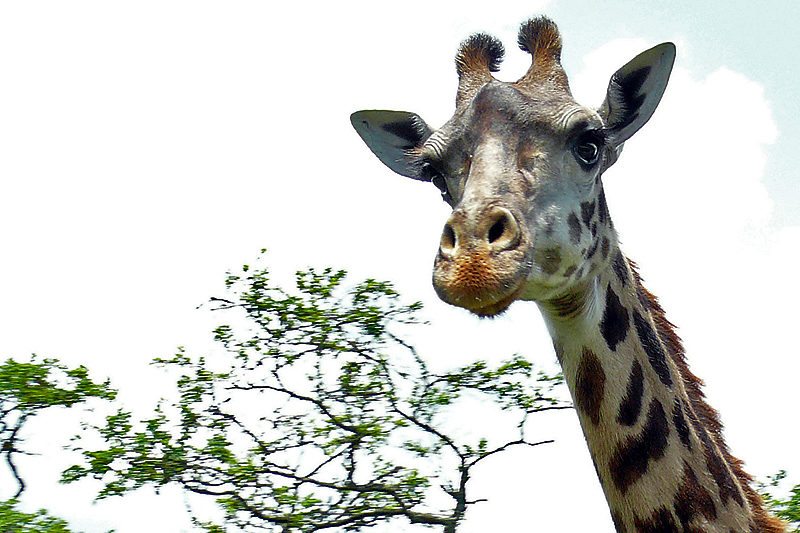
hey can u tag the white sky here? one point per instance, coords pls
(147, 147)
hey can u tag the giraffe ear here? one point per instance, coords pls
(635, 91)
(391, 135)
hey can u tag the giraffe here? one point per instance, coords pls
(520, 164)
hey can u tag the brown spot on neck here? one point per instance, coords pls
(660, 521)
(631, 404)
(616, 322)
(632, 457)
(590, 386)
(693, 501)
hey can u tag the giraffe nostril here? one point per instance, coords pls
(497, 230)
(494, 229)
(448, 241)
(504, 232)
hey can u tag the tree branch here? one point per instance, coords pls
(9, 448)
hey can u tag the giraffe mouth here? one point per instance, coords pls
(483, 285)
(497, 308)
(482, 264)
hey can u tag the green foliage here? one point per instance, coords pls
(28, 388)
(787, 508)
(14, 521)
(317, 416)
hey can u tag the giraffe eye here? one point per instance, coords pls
(440, 183)
(438, 180)
(588, 147)
(434, 176)
(588, 152)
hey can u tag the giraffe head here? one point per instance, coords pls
(520, 164)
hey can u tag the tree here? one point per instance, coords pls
(316, 416)
(26, 389)
(14, 521)
(787, 508)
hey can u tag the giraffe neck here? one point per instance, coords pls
(656, 445)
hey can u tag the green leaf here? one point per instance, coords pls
(15, 521)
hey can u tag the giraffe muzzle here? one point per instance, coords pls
(495, 231)
(479, 265)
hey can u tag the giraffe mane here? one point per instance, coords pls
(706, 417)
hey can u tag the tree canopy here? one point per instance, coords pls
(317, 414)
(28, 388)
(14, 521)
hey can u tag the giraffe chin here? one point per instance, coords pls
(495, 309)
(485, 304)
(483, 283)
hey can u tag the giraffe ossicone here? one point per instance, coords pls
(521, 164)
